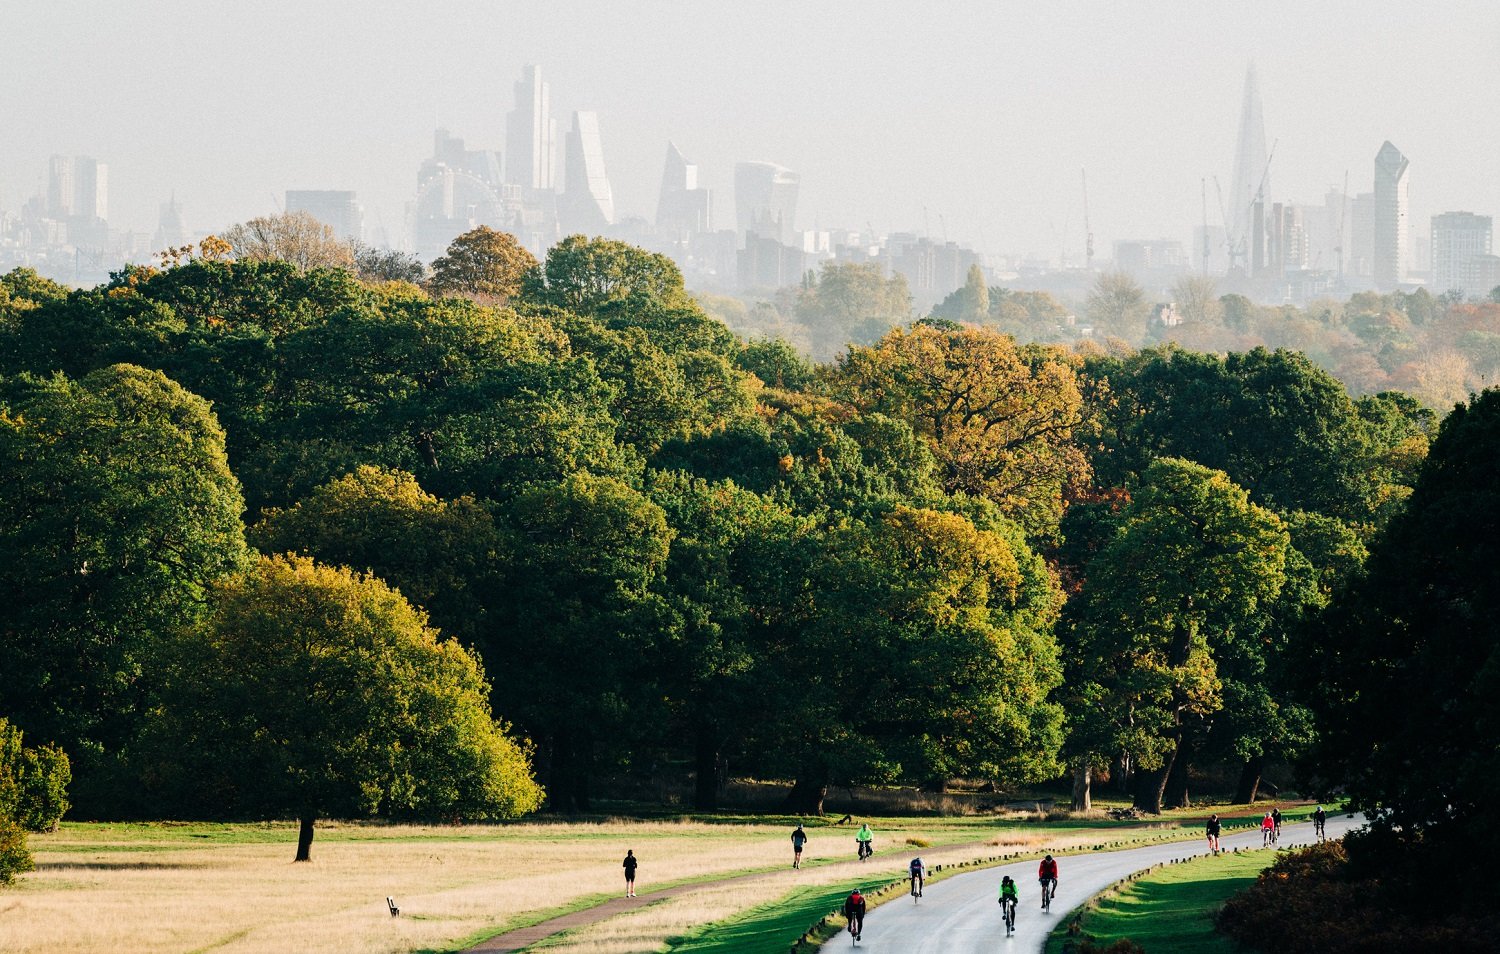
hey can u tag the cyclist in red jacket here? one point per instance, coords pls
(1047, 875)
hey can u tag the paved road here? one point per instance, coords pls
(961, 914)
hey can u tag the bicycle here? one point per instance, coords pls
(1049, 888)
(1008, 910)
(865, 850)
(1318, 824)
(916, 891)
(856, 928)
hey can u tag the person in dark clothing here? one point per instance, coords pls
(799, 838)
(630, 866)
(1213, 833)
(854, 913)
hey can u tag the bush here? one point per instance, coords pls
(1305, 887)
(14, 858)
(33, 782)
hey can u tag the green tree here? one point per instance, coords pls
(482, 264)
(583, 275)
(33, 782)
(851, 302)
(1000, 419)
(777, 363)
(373, 264)
(119, 512)
(970, 303)
(1403, 672)
(438, 553)
(578, 621)
(293, 237)
(1192, 564)
(316, 692)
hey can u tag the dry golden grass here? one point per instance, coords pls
(233, 889)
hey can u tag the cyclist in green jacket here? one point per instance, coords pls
(862, 840)
(1009, 898)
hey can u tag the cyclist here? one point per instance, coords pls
(862, 839)
(1276, 817)
(799, 838)
(1046, 874)
(1320, 818)
(1267, 830)
(1009, 898)
(1213, 833)
(854, 913)
(918, 872)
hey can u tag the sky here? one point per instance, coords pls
(967, 121)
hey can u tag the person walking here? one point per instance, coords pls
(799, 838)
(630, 865)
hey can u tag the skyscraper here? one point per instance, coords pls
(333, 207)
(683, 208)
(531, 134)
(765, 199)
(1251, 181)
(171, 229)
(1391, 241)
(1457, 239)
(587, 204)
(77, 186)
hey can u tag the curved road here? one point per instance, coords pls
(961, 913)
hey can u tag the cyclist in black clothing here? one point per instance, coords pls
(1320, 818)
(1213, 833)
(854, 913)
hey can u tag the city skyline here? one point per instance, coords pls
(992, 162)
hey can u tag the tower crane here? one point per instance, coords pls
(1088, 231)
(1338, 248)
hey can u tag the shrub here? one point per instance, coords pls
(33, 782)
(14, 858)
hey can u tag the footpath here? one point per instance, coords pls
(522, 938)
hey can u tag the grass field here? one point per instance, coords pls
(1171, 910)
(190, 888)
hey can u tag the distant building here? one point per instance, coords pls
(171, 229)
(1251, 181)
(765, 263)
(1457, 238)
(1166, 315)
(685, 208)
(1482, 275)
(336, 208)
(587, 203)
(1361, 249)
(765, 200)
(1392, 244)
(457, 190)
(531, 134)
(932, 269)
(1143, 257)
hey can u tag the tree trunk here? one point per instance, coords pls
(1249, 786)
(706, 758)
(808, 792)
(568, 782)
(1083, 777)
(1121, 773)
(304, 839)
(1176, 794)
(1151, 787)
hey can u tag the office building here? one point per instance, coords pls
(765, 200)
(684, 208)
(1457, 239)
(1392, 243)
(1250, 183)
(587, 203)
(1146, 258)
(1483, 276)
(336, 208)
(531, 134)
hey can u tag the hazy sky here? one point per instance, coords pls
(981, 114)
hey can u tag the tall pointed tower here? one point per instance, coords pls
(1391, 253)
(1248, 192)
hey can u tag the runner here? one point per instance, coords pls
(630, 864)
(1213, 833)
(799, 838)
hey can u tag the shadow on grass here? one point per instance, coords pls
(768, 927)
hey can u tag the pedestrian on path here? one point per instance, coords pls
(799, 838)
(630, 865)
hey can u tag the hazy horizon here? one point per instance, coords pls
(967, 123)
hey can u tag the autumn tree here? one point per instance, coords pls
(851, 302)
(315, 692)
(482, 264)
(1197, 298)
(970, 303)
(294, 237)
(1116, 305)
(1001, 419)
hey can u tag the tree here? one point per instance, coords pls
(294, 237)
(1197, 297)
(482, 264)
(33, 782)
(387, 265)
(777, 363)
(971, 303)
(1191, 564)
(1403, 672)
(438, 553)
(1117, 305)
(851, 302)
(316, 692)
(583, 275)
(578, 622)
(119, 512)
(1000, 419)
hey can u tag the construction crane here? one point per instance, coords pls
(1338, 248)
(1088, 231)
(1203, 183)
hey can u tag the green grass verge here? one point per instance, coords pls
(1171, 909)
